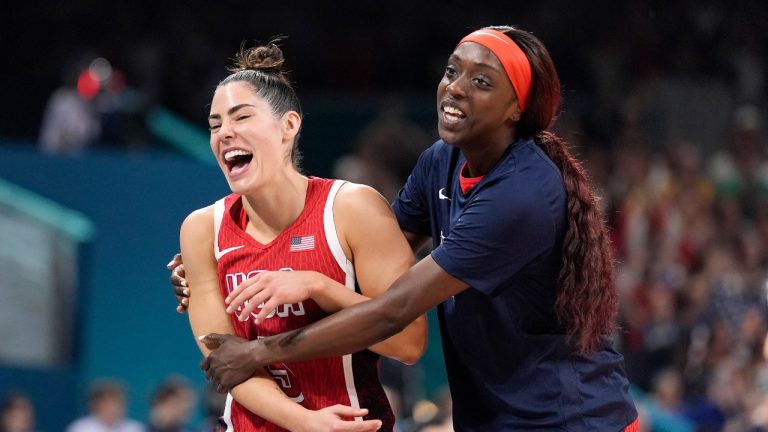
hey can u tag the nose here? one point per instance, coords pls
(225, 130)
(456, 88)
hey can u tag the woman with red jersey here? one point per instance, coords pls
(322, 235)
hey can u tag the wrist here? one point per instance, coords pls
(319, 286)
(256, 355)
(301, 419)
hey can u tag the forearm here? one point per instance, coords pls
(330, 336)
(405, 346)
(263, 397)
(331, 295)
(408, 345)
(420, 288)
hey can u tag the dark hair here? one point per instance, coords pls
(262, 68)
(15, 400)
(169, 389)
(587, 301)
(105, 389)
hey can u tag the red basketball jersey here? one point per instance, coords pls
(309, 243)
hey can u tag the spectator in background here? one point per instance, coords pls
(384, 153)
(740, 170)
(213, 406)
(107, 404)
(17, 415)
(71, 121)
(171, 406)
(94, 105)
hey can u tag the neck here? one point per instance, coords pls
(483, 156)
(276, 206)
(481, 160)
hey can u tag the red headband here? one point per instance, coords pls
(511, 57)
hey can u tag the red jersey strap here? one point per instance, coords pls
(467, 183)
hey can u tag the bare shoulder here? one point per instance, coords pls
(362, 213)
(198, 224)
(356, 200)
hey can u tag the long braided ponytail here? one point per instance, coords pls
(587, 301)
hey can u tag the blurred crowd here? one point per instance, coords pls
(690, 232)
(672, 131)
(172, 409)
(666, 107)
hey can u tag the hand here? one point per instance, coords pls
(332, 418)
(273, 288)
(179, 283)
(230, 361)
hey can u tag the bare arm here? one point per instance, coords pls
(373, 242)
(259, 394)
(423, 286)
(314, 283)
(372, 238)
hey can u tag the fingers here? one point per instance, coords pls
(178, 283)
(256, 301)
(178, 280)
(363, 426)
(247, 310)
(247, 289)
(183, 304)
(348, 411)
(212, 341)
(175, 261)
(267, 309)
(354, 426)
(206, 367)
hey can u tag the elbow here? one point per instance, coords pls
(414, 350)
(412, 339)
(412, 353)
(390, 324)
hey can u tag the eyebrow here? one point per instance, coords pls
(480, 64)
(230, 111)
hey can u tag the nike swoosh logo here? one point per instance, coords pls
(441, 194)
(220, 254)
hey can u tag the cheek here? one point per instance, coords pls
(441, 87)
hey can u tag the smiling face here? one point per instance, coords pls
(250, 144)
(476, 104)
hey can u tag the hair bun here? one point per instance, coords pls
(267, 58)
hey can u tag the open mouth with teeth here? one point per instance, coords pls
(237, 161)
(453, 114)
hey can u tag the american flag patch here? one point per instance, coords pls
(302, 243)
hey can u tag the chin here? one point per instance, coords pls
(448, 138)
(239, 187)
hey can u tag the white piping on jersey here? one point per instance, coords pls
(346, 266)
(332, 237)
(218, 215)
(227, 416)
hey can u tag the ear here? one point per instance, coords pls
(514, 112)
(290, 123)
